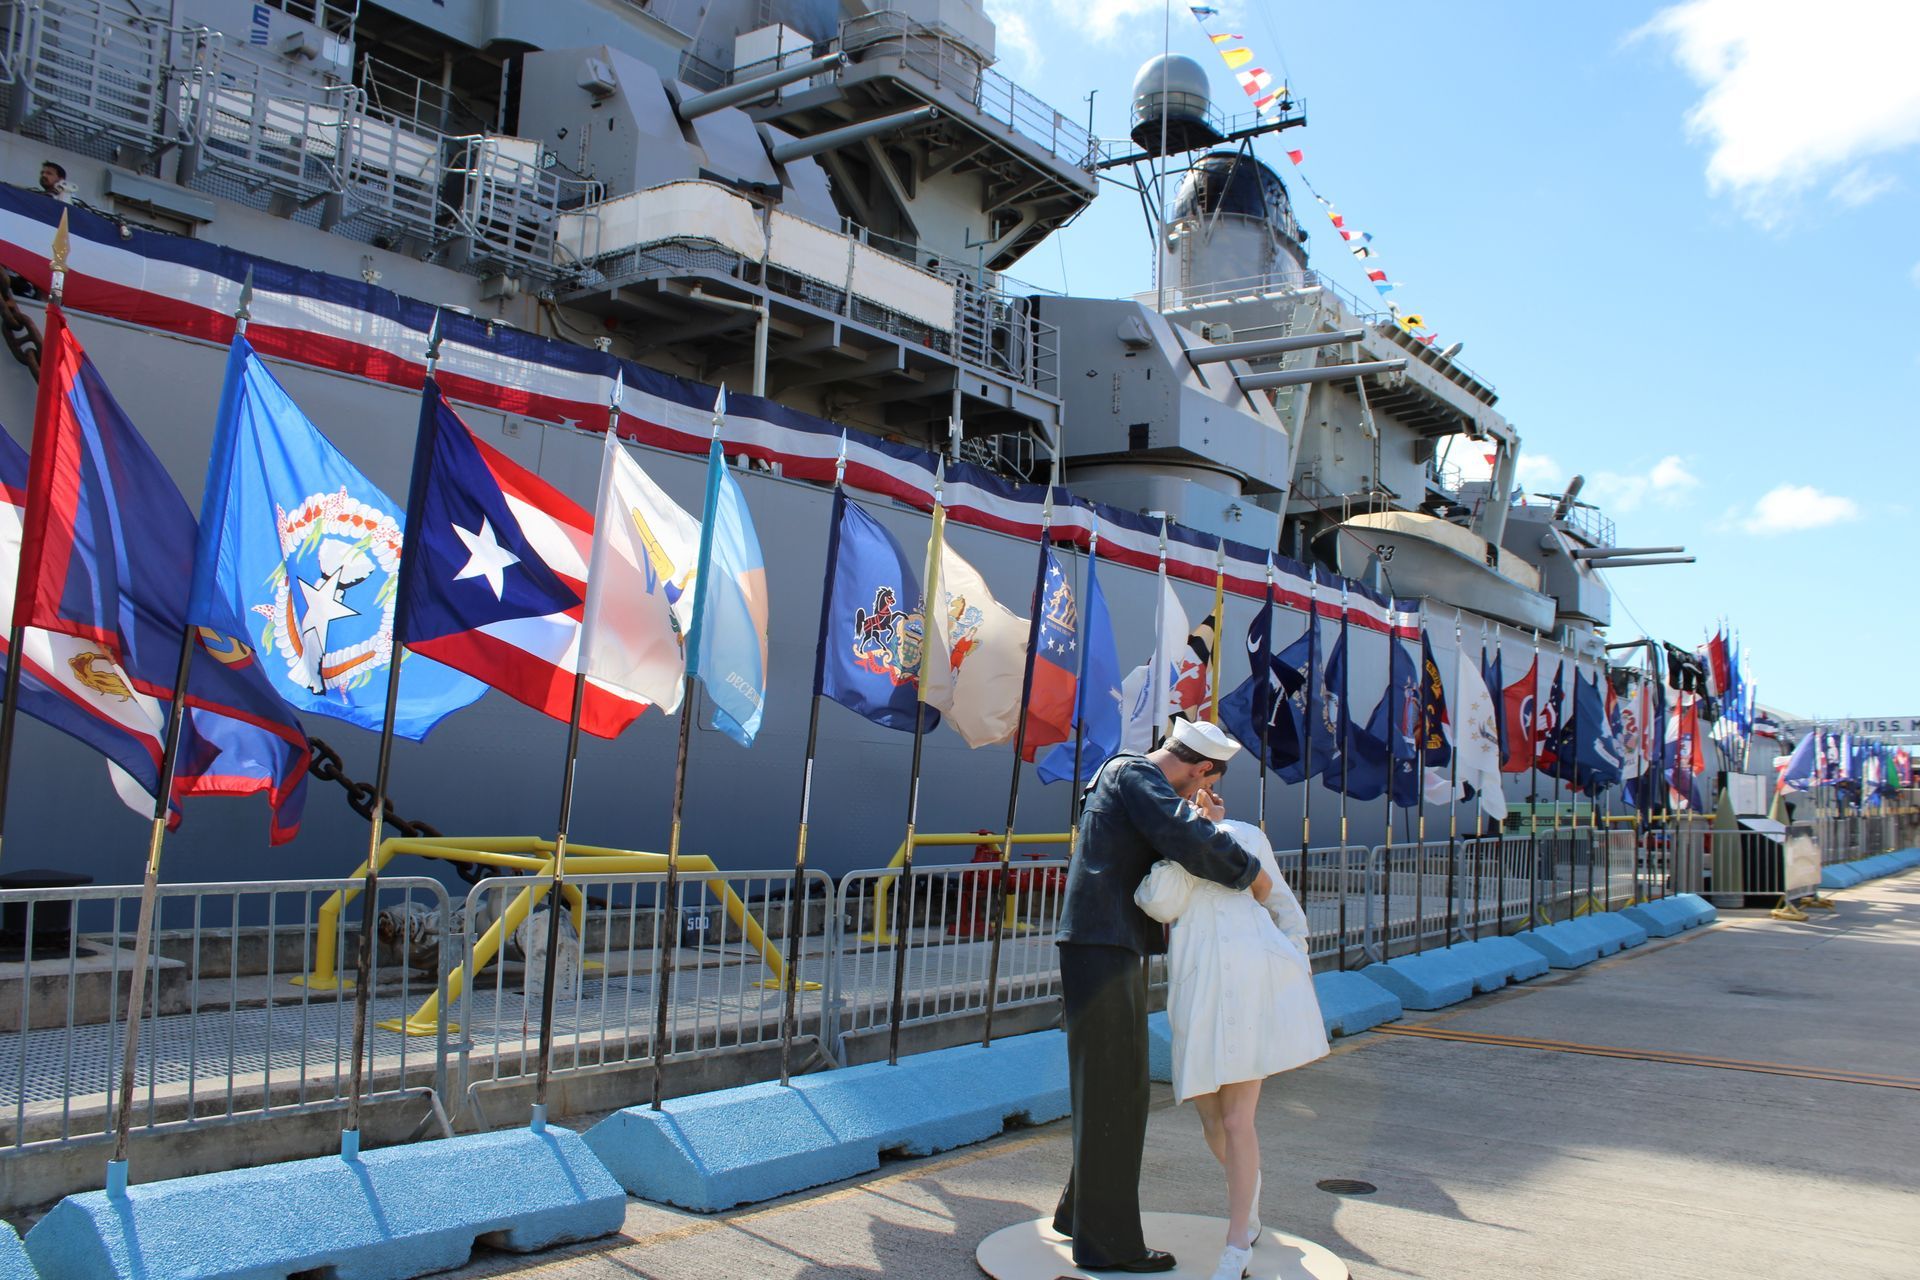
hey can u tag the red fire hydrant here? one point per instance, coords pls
(975, 915)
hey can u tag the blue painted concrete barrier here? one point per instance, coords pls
(716, 1150)
(1565, 944)
(1845, 875)
(1665, 917)
(1352, 1002)
(1432, 980)
(389, 1214)
(14, 1264)
(1504, 960)
(1618, 931)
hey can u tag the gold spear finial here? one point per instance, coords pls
(57, 260)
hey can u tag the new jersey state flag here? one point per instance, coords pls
(976, 650)
(872, 624)
(494, 574)
(639, 583)
(106, 556)
(728, 643)
(305, 552)
(1050, 705)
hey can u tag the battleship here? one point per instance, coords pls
(817, 208)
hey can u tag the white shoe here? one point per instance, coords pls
(1233, 1264)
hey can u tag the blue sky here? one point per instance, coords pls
(1680, 240)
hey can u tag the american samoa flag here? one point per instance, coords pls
(106, 558)
(494, 576)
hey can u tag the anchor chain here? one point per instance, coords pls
(326, 765)
(17, 327)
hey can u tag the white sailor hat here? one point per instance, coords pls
(1205, 739)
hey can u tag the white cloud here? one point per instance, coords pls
(1794, 93)
(1666, 481)
(1790, 508)
(1014, 43)
(1859, 184)
(1539, 471)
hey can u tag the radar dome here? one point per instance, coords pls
(1174, 86)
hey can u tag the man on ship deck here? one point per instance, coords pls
(1139, 809)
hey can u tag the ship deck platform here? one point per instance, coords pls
(1699, 1107)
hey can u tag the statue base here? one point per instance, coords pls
(1034, 1251)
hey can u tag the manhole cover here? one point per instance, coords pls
(1346, 1186)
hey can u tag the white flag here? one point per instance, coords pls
(1477, 738)
(976, 653)
(1150, 694)
(639, 584)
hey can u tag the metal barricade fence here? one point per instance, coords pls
(1329, 887)
(231, 1027)
(724, 988)
(947, 925)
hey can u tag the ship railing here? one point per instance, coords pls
(722, 996)
(96, 75)
(231, 1030)
(511, 201)
(999, 331)
(268, 131)
(394, 174)
(939, 57)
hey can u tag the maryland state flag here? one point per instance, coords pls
(1055, 663)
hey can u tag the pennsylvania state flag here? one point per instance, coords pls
(305, 552)
(873, 624)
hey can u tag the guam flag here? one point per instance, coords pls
(106, 556)
(304, 551)
(873, 624)
(495, 571)
(1056, 657)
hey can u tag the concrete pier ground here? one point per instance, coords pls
(1501, 1144)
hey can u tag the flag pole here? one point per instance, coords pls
(370, 890)
(1533, 794)
(1346, 687)
(1266, 677)
(1453, 792)
(1306, 748)
(903, 891)
(797, 894)
(162, 804)
(1080, 719)
(556, 892)
(1480, 799)
(1386, 796)
(1162, 719)
(669, 914)
(16, 634)
(1420, 803)
(1000, 901)
(1219, 629)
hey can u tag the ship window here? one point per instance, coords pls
(1137, 435)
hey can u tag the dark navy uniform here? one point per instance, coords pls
(1132, 819)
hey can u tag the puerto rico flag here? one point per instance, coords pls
(494, 577)
(106, 557)
(1055, 664)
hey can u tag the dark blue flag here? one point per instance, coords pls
(1096, 694)
(1404, 720)
(1436, 748)
(874, 626)
(1360, 763)
(1496, 686)
(1316, 700)
(1260, 709)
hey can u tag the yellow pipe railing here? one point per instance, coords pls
(883, 891)
(534, 855)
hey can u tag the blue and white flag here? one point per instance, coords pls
(727, 647)
(874, 624)
(1261, 709)
(304, 552)
(1097, 696)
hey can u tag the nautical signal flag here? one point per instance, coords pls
(727, 647)
(297, 544)
(874, 623)
(106, 555)
(494, 574)
(1056, 659)
(1519, 701)
(976, 649)
(640, 576)
(1097, 698)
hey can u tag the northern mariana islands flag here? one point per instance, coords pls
(305, 551)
